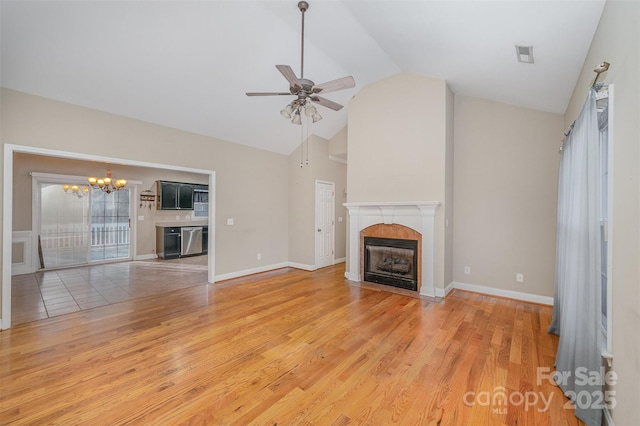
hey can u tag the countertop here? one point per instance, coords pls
(182, 223)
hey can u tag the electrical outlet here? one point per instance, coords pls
(467, 270)
(520, 278)
(259, 256)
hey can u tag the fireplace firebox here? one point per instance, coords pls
(391, 262)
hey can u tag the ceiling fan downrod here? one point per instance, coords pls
(303, 6)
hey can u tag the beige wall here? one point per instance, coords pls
(252, 186)
(617, 41)
(302, 199)
(397, 133)
(24, 164)
(505, 195)
(397, 147)
(338, 144)
(449, 189)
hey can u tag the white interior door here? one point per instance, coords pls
(325, 228)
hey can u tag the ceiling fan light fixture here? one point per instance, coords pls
(286, 112)
(310, 110)
(296, 118)
(305, 89)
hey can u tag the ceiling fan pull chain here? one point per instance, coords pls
(307, 139)
(301, 146)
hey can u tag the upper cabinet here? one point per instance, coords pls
(174, 196)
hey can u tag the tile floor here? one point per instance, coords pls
(52, 293)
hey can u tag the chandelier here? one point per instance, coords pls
(294, 111)
(77, 190)
(107, 184)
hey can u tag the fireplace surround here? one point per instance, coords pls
(416, 215)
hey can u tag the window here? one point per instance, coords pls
(110, 225)
(604, 116)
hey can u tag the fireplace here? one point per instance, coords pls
(418, 216)
(391, 261)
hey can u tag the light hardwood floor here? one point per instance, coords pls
(284, 347)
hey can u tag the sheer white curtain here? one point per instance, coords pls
(577, 301)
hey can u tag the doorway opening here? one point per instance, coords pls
(8, 193)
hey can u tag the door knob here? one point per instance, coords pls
(319, 230)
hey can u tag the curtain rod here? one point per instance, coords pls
(599, 69)
(597, 88)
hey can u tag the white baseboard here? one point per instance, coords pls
(527, 297)
(443, 292)
(340, 260)
(266, 268)
(302, 266)
(349, 277)
(440, 292)
(449, 288)
(251, 271)
(149, 256)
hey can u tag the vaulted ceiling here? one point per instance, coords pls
(188, 64)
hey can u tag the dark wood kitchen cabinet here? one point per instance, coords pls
(205, 239)
(168, 242)
(174, 196)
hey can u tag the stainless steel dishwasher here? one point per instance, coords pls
(191, 241)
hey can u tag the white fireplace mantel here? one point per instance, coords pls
(417, 215)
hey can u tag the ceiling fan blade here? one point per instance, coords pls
(335, 85)
(268, 93)
(326, 103)
(288, 73)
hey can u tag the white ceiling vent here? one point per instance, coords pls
(525, 54)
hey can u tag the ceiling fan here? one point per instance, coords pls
(306, 90)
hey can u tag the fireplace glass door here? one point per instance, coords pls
(391, 262)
